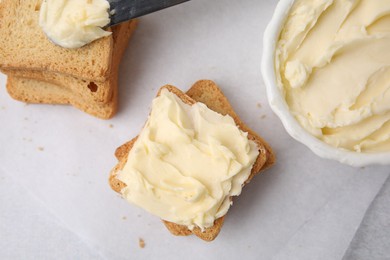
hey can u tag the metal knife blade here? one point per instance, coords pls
(124, 10)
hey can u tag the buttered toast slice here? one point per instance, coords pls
(94, 91)
(207, 92)
(23, 45)
(24, 87)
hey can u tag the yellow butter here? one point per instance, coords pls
(74, 23)
(187, 162)
(333, 66)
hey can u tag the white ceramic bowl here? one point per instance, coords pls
(280, 107)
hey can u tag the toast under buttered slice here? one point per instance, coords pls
(41, 92)
(23, 45)
(24, 87)
(207, 92)
(93, 91)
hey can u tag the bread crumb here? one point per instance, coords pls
(258, 105)
(141, 243)
(41, 149)
(111, 126)
(124, 217)
(263, 116)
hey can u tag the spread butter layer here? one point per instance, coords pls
(74, 23)
(333, 66)
(187, 163)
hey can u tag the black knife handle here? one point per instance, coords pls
(124, 10)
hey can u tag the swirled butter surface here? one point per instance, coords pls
(187, 163)
(333, 66)
(74, 23)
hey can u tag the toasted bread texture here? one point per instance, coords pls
(93, 91)
(40, 87)
(24, 45)
(207, 92)
(41, 92)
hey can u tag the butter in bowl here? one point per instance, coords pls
(326, 66)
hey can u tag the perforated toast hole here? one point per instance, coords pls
(37, 6)
(92, 86)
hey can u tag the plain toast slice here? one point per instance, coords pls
(207, 92)
(41, 92)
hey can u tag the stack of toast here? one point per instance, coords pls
(40, 72)
(208, 93)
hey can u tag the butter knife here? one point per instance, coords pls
(124, 10)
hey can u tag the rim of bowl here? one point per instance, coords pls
(280, 107)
